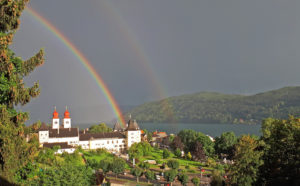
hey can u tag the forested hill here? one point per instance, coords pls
(210, 107)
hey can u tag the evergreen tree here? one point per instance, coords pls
(14, 151)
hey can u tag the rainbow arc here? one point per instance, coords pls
(83, 60)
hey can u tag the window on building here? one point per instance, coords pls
(107, 142)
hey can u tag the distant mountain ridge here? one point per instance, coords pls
(212, 107)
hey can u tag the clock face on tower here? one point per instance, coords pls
(55, 122)
(67, 122)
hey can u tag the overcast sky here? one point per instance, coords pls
(145, 50)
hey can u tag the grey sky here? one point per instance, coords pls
(230, 46)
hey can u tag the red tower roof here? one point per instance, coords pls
(67, 114)
(55, 114)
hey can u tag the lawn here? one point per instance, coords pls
(157, 154)
(98, 156)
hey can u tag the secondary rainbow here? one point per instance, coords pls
(131, 38)
(84, 61)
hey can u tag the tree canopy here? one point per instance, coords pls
(102, 127)
(281, 152)
(14, 151)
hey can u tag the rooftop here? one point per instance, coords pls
(90, 136)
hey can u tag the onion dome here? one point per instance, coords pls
(55, 114)
(67, 113)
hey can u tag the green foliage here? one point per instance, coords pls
(177, 152)
(46, 156)
(281, 140)
(137, 172)
(210, 162)
(150, 175)
(225, 143)
(166, 153)
(67, 174)
(173, 164)
(189, 138)
(94, 164)
(118, 166)
(144, 165)
(170, 175)
(207, 144)
(105, 165)
(196, 181)
(247, 159)
(138, 150)
(102, 127)
(74, 158)
(210, 107)
(26, 174)
(217, 179)
(183, 178)
(15, 152)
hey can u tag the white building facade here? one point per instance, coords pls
(65, 136)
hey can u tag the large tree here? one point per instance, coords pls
(102, 127)
(225, 144)
(118, 166)
(247, 159)
(282, 152)
(198, 152)
(14, 151)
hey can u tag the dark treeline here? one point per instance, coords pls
(206, 107)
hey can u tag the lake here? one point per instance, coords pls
(210, 129)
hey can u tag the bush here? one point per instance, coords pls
(166, 153)
(177, 152)
(196, 181)
(173, 164)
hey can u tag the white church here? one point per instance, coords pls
(68, 138)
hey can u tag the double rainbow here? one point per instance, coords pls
(84, 61)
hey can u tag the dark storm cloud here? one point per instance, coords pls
(233, 46)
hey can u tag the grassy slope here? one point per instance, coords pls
(210, 107)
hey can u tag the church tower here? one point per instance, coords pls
(55, 120)
(67, 119)
(133, 133)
